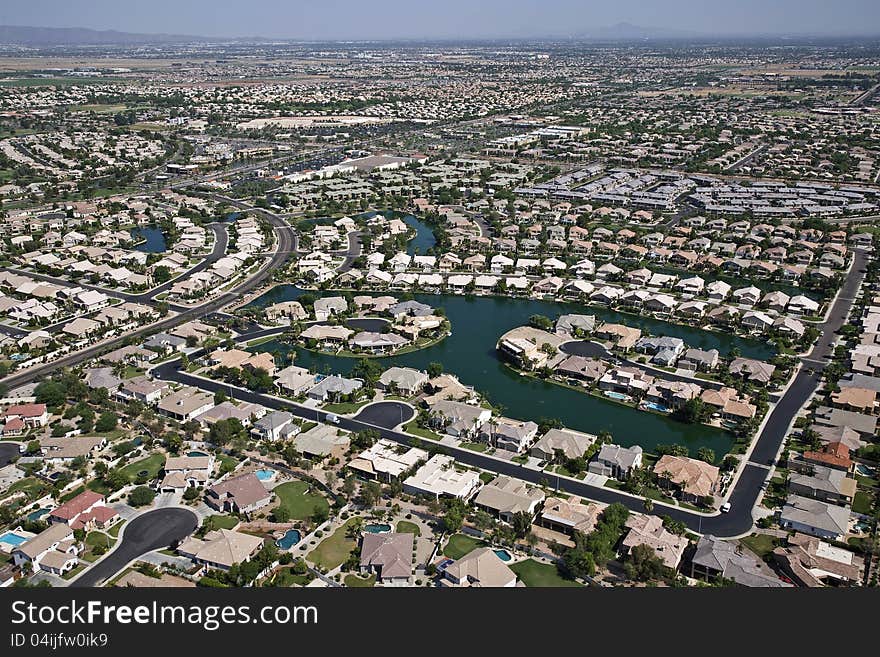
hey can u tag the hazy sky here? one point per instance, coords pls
(383, 19)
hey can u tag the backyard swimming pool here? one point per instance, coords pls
(265, 475)
(13, 539)
(504, 555)
(195, 453)
(36, 515)
(616, 395)
(660, 408)
(290, 538)
(377, 528)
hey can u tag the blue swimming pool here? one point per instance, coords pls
(660, 408)
(504, 555)
(616, 395)
(11, 538)
(37, 515)
(195, 453)
(265, 475)
(290, 538)
(377, 528)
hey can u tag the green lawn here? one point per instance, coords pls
(333, 550)
(298, 501)
(74, 572)
(285, 577)
(30, 486)
(404, 527)
(227, 463)
(459, 545)
(416, 430)
(358, 582)
(345, 407)
(761, 544)
(152, 464)
(69, 496)
(114, 530)
(220, 522)
(535, 574)
(475, 447)
(862, 502)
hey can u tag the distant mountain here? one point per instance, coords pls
(630, 32)
(80, 36)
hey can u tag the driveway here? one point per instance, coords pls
(150, 531)
(386, 414)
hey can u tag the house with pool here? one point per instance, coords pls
(242, 494)
(388, 556)
(53, 550)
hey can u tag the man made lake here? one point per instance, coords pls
(155, 240)
(469, 352)
(424, 239)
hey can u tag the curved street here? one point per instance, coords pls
(147, 532)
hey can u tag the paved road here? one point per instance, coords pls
(386, 414)
(151, 531)
(354, 251)
(8, 452)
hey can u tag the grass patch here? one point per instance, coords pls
(70, 574)
(486, 477)
(227, 463)
(862, 502)
(345, 407)
(459, 545)
(30, 486)
(335, 549)
(358, 582)
(114, 530)
(69, 496)
(540, 575)
(220, 522)
(404, 527)
(152, 464)
(761, 544)
(421, 432)
(285, 577)
(475, 447)
(297, 500)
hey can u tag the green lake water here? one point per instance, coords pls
(469, 352)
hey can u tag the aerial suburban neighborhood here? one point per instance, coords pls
(369, 314)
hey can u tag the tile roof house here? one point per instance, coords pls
(573, 444)
(569, 515)
(505, 497)
(440, 478)
(479, 568)
(388, 556)
(809, 516)
(242, 494)
(616, 461)
(221, 548)
(649, 530)
(810, 562)
(716, 558)
(694, 479)
(53, 550)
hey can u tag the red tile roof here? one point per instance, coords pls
(72, 508)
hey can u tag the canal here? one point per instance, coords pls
(469, 352)
(155, 239)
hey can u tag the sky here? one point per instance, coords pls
(464, 19)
